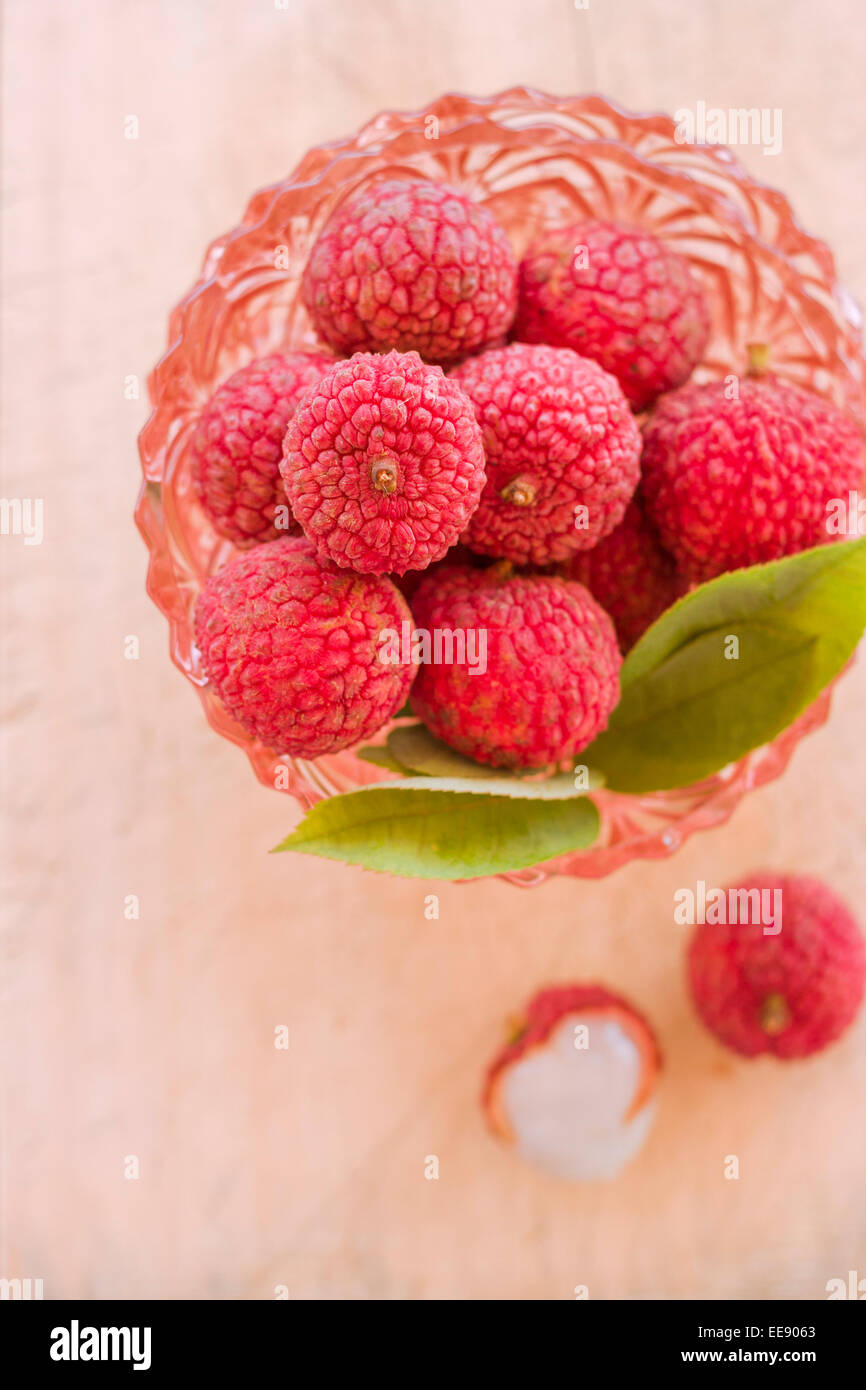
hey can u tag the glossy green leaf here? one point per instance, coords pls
(421, 831)
(413, 746)
(690, 706)
(380, 757)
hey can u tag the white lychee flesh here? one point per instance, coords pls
(568, 1102)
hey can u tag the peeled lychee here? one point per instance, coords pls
(630, 574)
(562, 450)
(620, 296)
(238, 443)
(739, 474)
(293, 648)
(574, 1091)
(383, 463)
(787, 992)
(551, 666)
(409, 264)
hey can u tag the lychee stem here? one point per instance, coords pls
(759, 358)
(775, 1014)
(515, 1027)
(520, 492)
(501, 569)
(383, 473)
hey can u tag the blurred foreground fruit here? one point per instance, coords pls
(789, 990)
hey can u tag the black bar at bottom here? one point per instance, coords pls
(155, 1338)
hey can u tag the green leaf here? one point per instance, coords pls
(413, 748)
(417, 749)
(410, 828)
(557, 788)
(380, 757)
(687, 709)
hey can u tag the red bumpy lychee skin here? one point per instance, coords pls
(552, 667)
(409, 582)
(788, 993)
(411, 265)
(630, 575)
(292, 648)
(383, 463)
(559, 437)
(620, 296)
(579, 1112)
(238, 444)
(736, 482)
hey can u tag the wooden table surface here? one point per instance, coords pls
(153, 1038)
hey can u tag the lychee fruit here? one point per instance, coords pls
(383, 463)
(293, 648)
(731, 480)
(562, 449)
(574, 1091)
(549, 677)
(629, 574)
(410, 582)
(238, 443)
(410, 264)
(620, 296)
(786, 992)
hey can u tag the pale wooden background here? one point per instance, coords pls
(155, 1037)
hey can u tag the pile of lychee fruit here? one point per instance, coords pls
(487, 445)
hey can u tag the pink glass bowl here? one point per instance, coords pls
(535, 160)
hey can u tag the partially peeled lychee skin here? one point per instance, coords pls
(238, 444)
(383, 463)
(293, 648)
(731, 481)
(574, 1092)
(619, 295)
(552, 666)
(788, 993)
(562, 451)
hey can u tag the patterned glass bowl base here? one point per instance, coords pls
(535, 160)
